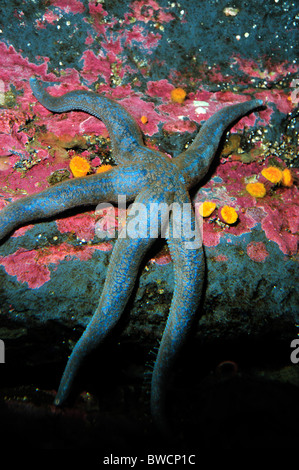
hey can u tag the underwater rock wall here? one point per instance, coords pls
(141, 53)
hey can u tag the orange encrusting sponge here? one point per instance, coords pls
(206, 208)
(273, 174)
(103, 168)
(229, 214)
(178, 95)
(79, 166)
(256, 189)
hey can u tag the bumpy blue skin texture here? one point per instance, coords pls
(151, 178)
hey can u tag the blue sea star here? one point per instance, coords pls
(152, 179)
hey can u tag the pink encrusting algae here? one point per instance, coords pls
(272, 73)
(150, 11)
(75, 6)
(10, 137)
(81, 225)
(221, 258)
(33, 266)
(257, 251)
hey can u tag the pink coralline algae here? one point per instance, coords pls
(178, 125)
(221, 258)
(35, 181)
(22, 230)
(161, 88)
(33, 266)
(201, 105)
(146, 41)
(257, 251)
(92, 63)
(279, 97)
(211, 235)
(82, 225)
(150, 10)
(25, 266)
(48, 17)
(97, 13)
(138, 107)
(279, 224)
(16, 70)
(75, 6)
(272, 73)
(10, 137)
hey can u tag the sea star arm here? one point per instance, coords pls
(196, 161)
(124, 133)
(128, 252)
(89, 190)
(119, 283)
(189, 268)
